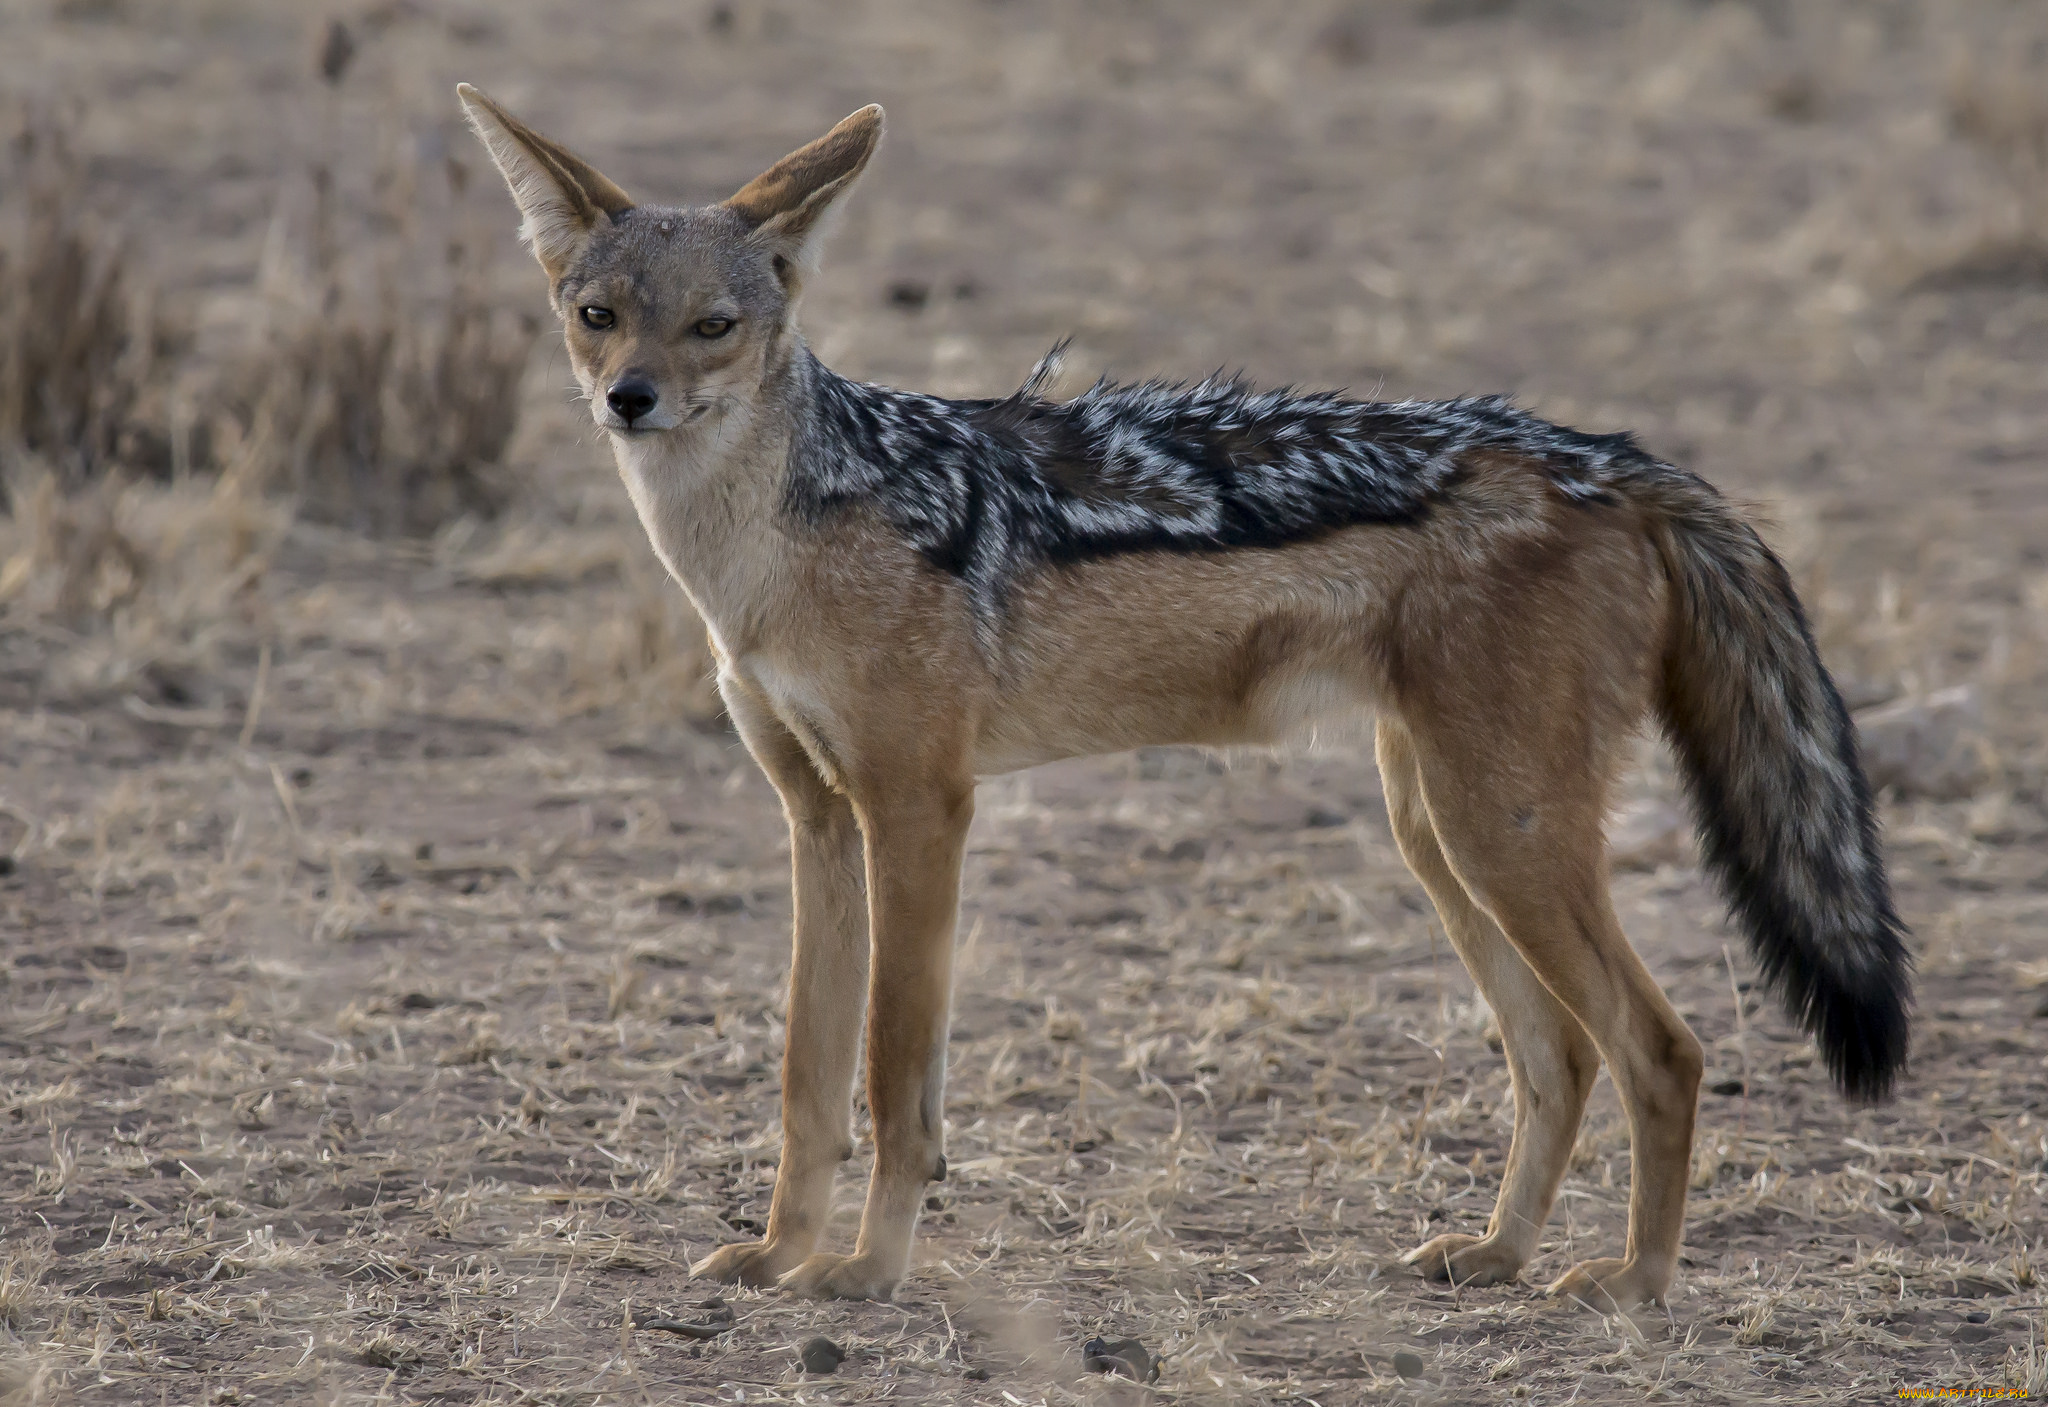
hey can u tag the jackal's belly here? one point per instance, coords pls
(1248, 648)
(1197, 706)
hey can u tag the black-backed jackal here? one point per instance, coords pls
(905, 594)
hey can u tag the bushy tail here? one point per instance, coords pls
(1783, 808)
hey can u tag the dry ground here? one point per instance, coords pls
(393, 951)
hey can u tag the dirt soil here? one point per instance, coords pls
(391, 993)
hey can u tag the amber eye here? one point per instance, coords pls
(713, 327)
(596, 317)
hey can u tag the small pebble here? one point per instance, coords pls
(1126, 1357)
(1978, 1316)
(820, 1355)
(1409, 1365)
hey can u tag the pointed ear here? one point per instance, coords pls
(792, 201)
(561, 195)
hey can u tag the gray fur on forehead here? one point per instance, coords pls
(674, 250)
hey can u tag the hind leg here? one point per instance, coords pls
(1551, 1060)
(1520, 822)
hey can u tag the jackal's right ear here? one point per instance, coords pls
(561, 195)
(792, 201)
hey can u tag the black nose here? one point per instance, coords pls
(630, 399)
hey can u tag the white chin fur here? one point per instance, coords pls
(645, 425)
(662, 419)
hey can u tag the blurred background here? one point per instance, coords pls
(1802, 248)
(357, 756)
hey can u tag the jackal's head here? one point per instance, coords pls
(675, 317)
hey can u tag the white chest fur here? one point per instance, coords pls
(707, 501)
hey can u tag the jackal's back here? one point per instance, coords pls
(988, 489)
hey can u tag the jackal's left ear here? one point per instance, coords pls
(561, 195)
(792, 201)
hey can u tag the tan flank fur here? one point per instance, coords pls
(1509, 642)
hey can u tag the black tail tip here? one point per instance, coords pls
(1863, 1038)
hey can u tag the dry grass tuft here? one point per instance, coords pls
(83, 388)
(2027, 1368)
(142, 585)
(70, 559)
(21, 1288)
(1997, 99)
(54, 1178)
(385, 1350)
(29, 1380)
(382, 387)
(1998, 96)
(633, 645)
(643, 655)
(652, 659)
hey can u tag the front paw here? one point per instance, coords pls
(1465, 1260)
(756, 1264)
(828, 1277)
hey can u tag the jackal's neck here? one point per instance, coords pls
(708, 496)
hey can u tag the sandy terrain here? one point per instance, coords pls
(390, 999)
